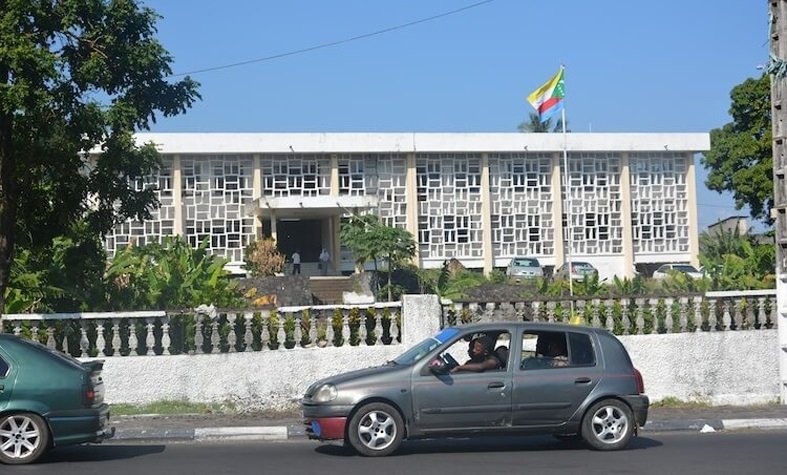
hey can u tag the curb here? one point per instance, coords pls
(713, 425)
(297, 432)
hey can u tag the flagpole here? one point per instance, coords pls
(567, 210)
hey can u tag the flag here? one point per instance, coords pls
(548, 99)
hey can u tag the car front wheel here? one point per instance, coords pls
(608, 425)
(24, 438)
(376, 430)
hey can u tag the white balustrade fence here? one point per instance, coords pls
(208, 330)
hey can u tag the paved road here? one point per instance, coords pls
(656, 453)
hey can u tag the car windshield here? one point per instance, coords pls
(422, 349)
(583, 266)
(526, 262)
(685, 268)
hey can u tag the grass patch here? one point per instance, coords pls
(172, 408)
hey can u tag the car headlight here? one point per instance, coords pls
(325, 393)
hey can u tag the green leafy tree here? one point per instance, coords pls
(170, 275)
(740, 158)
(534, 124)
(369, 239)
(735, 261)
(77, 79)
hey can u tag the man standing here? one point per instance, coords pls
(296, 263)
(324, 259)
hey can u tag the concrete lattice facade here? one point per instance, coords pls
(481, 198)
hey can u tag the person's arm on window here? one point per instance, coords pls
(488, 363)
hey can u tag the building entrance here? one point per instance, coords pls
(302, 235)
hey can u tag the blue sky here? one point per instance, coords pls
(631, 66)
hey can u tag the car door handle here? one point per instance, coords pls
(582, 380)
(496, 385)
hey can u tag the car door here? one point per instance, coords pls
(6, 379)
(546, 394)
(464, 400)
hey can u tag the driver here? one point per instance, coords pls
(482, 357)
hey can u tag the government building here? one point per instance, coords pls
(483, 198)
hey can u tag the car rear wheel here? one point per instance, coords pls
(24, 438)
(608, 425)
(376, 430)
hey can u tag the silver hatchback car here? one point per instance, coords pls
(556, 379)
(524, 267)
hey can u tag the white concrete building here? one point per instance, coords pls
(482, 198)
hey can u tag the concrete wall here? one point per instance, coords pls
(733, 367)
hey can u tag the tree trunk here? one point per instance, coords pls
(8, 199)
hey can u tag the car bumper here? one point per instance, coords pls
(81, 426)
(639, 406)
(325, 422)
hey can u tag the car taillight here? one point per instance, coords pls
(89, 396)
(640, 382)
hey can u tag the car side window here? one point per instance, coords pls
(3, 367)
(582, 353)
(544, 349)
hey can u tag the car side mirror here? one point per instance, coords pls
(438, 368)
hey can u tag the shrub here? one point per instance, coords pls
(263, 258)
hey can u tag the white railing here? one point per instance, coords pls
(210, 330)
(712, 311)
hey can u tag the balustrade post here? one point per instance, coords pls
(313, 330)
(329, 329)
(150, 339)
(551, 311)
(248, 336)
(713, 322)
(609, 308)
(50, 338)
(116, 341)
(761, 318)
(669, 321)
(281, 335)
(698, 314)
(395, 326)
(684, 316)
(362, 328)
(625, 320)
(84, 343)
(166, 340)
(297, 332)
(215, 337)
(199, 340)
(595, 310)
(345, 327)
(232, 338)
(100, 341)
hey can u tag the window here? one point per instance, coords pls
(461, 350)
(3, 368)
(554, 349)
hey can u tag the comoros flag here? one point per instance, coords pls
(548, 99)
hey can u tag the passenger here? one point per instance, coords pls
(482, 358)
(556, 352)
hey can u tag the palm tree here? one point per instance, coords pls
(534, 124)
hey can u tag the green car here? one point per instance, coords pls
(47, 399)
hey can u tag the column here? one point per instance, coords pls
(411, 203)
(274, 233)
(557, 211)
(486, 216)
(691, 195)
(625, 218)
(334, 175)
(334, 222)
(177, 195)
(257, 194)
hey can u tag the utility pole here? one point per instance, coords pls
(777, 68)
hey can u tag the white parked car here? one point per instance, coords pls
(665, 270)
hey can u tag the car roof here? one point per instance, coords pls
(485, 326)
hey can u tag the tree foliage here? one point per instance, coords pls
(534, 124)
(740, 159)
(262, 257)
(735, 261)
(170, 275)
(77, 77)
(370, 240)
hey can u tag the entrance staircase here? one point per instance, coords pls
(328, 290)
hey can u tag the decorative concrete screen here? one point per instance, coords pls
(352, 179)
(391, 188)
(161, 222)
(594, 204)
(216, 189)
(659, 202)
(296, 175)
(521, 195)
(449, 205)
